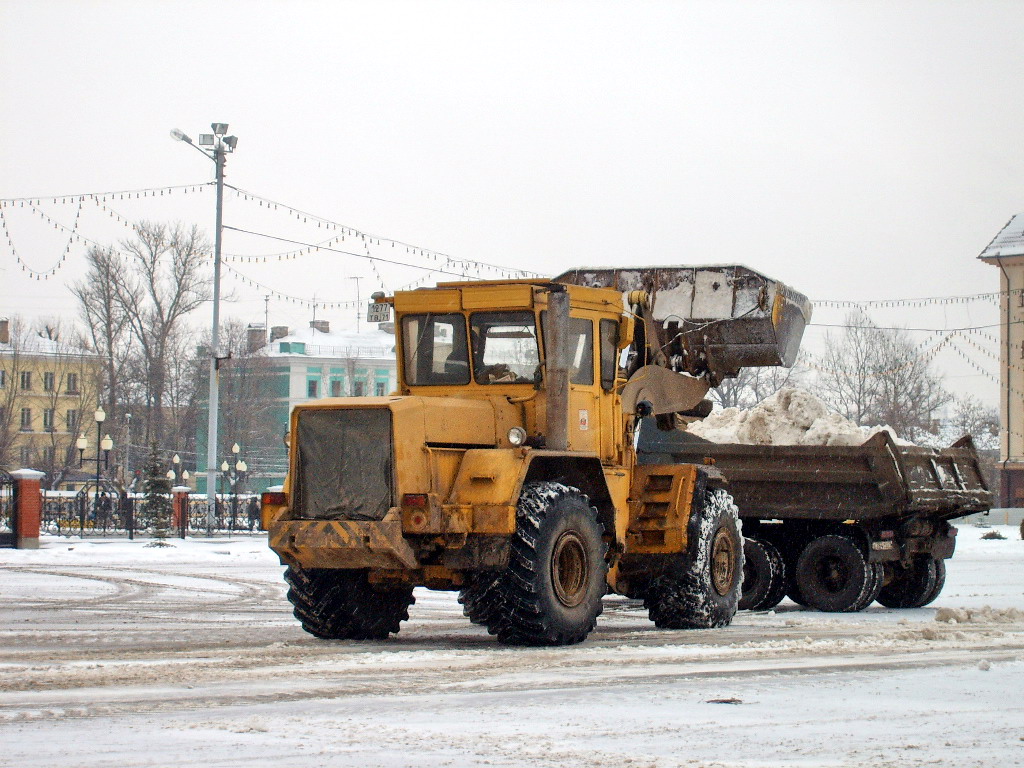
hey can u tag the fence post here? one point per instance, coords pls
(180, 507)
(29, 510)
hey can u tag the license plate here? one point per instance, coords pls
(378, 313)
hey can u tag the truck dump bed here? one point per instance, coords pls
(871, 481)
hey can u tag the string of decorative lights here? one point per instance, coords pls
(121, 194)
(915, 302)
(72, 231)
(924, 357)
(285, 297)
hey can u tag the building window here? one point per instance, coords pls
(72, 384)
(48, 379)
(48, 419)
(357, 389)
(26, 455)
(26, 419)
(311, 388)
(336, 388)
(380, 389)
(72, 420)
(48, 455)
(26, 379)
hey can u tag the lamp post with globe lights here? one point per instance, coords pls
(105, 445)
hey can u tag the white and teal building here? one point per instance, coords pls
(309, 364)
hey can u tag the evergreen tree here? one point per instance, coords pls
(158, 496)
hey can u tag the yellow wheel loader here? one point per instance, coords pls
(504, 467)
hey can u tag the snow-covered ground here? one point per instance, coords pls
(119, 654)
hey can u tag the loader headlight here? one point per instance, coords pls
(517, 435)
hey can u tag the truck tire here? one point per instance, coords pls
(832, 574)
(940, 582)
(550, 593)
(764, 576)
(703, 591)
(479, 598)
(912, 587)
(877, 576)
(342, 605)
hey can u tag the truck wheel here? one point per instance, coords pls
(940, 582)
(342, 605)
(911, 587)
(703, 592)
(877, 576)
(479, 598)
(832, 574)
(550, 593)
(764, 576)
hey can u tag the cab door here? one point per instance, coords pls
(585, 427)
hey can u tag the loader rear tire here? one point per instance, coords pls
(479, 598)
(912, 587)
(764, 576)
(550, 593)
(342, 605)
(833, 575)
(703, 590)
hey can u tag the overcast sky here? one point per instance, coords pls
(853, 150)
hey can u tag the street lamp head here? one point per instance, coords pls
(170, 474)
(224, 466)
(219, 128)
(241, 466)
(81, 443)
(178, 135)
(176, 459)
(236, 448)
(185, 475)
(106, 443)
(100, 415)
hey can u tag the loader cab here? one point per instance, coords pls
(481, 340)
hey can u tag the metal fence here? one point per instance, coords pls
(110, 513)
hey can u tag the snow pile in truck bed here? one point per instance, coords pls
(789, 417)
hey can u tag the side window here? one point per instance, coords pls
(609, 354)
(311, 388)
(434, 349)
(581, 351)
(505, 347)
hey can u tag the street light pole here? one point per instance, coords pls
(221, 145)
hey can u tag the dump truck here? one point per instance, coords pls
(504, 465)
(838, 527)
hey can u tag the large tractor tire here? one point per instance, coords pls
(703, 592)
(833, 575)
(912, 587)
(764, 576)
(343, 605)
(480, 598)
(550, 593)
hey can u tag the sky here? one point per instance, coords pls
(857, 151)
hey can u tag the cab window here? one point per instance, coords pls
(434, 350)
(505, 348)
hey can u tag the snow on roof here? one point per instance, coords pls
(41, 346)
(372, 343)
(1008, 242)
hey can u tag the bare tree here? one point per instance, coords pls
(106, 322)
(968, 416)
(157, 282)
(873, 375)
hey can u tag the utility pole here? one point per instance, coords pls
(358, 308)
(221, 145)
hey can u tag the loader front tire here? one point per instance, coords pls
(550, 593)
(702, 590)
(342, 605)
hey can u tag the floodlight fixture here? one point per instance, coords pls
(231, 142)
(219, 128)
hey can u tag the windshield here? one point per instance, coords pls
(505, 348)
(434, 349)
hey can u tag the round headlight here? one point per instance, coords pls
(517, 435)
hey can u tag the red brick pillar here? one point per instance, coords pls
(180, 508)
(29, 510)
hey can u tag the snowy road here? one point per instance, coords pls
(117, 654)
